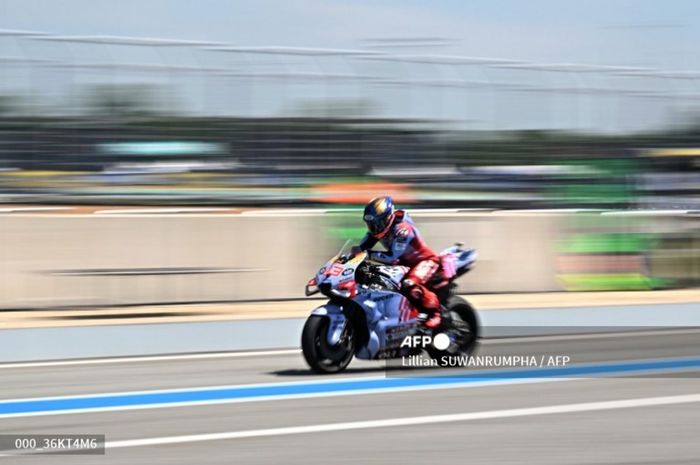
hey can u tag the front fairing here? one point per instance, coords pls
(336, 279)
(388, 314)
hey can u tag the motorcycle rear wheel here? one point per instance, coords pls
(463, 325)
(318, 353)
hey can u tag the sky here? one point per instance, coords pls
(663, 34)
(659, 32)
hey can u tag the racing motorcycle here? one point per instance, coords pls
(367, 317)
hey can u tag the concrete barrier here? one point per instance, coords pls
(91, 260)
(104, 260)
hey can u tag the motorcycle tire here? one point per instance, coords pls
(464, 323)
(321, 356)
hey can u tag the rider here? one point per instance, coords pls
(395, 230)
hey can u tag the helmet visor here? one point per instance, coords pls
(375, 225)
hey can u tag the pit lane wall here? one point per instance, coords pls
(53, 260)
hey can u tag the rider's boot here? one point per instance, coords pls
(431, 319)
(434, 321)
(428, 304)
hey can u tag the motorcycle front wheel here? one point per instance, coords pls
(321, 356)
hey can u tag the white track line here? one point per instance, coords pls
(412, 421)
(263, 353)
(32, 209)
(339, 379)
(281, 213)
(646, 212)
(154, 358)
(160, 210)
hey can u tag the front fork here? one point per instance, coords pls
(337, 321)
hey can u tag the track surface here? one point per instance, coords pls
(606, 433)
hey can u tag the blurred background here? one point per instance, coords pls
(563, 139)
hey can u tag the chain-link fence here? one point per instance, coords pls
(45, 74)
(98, 118)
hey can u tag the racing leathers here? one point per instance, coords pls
(406, 247)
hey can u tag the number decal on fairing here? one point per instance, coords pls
(335, 270)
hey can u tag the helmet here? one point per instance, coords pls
(379, 214)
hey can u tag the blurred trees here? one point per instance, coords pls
(10, 105)
(123, 100)
(335, 108)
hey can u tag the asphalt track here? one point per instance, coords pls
(272, 411)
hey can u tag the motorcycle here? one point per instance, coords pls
(367, 317)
